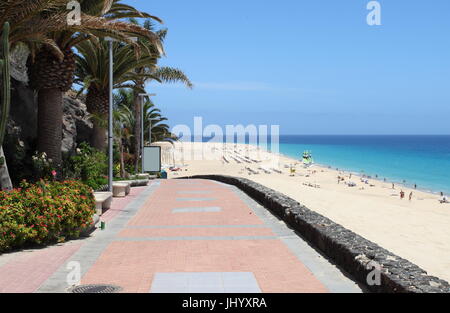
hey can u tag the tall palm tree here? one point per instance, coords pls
(132, 69)
(123, 119)
(160, 130)
(52, 72)
(92, 71)
(154, 119)
(164, 74)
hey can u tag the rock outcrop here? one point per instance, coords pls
(23, 119)
(77, 127)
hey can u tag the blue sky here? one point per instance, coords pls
(312, 67)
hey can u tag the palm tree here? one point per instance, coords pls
(92, 71)
(160, 130)
(53, 66)
(132, 69)
(153, 118)
(123, 118)
(164, 74)
(30, 25)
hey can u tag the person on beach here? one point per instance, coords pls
(393, 186)
(410, 196)
(402, 194)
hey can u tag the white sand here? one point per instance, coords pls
(417, 230)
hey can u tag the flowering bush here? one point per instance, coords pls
(44, 212)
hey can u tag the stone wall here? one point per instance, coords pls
(356, 255)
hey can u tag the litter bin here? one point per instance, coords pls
(163, 174)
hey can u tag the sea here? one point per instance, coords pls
(422, 160)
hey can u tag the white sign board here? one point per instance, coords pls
(152, 159)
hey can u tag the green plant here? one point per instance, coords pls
(44, 212)
(89, 165)
(42, 167)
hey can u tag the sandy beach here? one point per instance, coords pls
(418, 230)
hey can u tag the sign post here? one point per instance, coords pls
(152, 159)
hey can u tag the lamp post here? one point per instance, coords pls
(150, 129)
(142, 95)
(110, 112)
(110, 115)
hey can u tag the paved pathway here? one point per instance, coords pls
(187, 236)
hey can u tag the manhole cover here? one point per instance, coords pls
(95, 289)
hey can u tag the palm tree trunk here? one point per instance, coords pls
(98, 139)
(50, 115)
(5, 179)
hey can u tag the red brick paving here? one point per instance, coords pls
(158, 211)
(119, 204)
(132, 264)
(28, 270)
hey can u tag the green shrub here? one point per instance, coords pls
(42, 167)
(44, 212)
(88, 165)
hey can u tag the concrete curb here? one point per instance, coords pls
(353, 253)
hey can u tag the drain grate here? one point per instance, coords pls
(95, 289)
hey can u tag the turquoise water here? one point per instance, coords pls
(421, 160)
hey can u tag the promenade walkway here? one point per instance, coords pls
(193, 236)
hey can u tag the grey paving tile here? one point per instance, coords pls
(195, 199)
(242, 289)
(197, 210)
(236, 278)
(240, 282)
(205, 275)
(206, 289)
(205, 282)
(170, 283)
(170, 289)
(195, 192)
